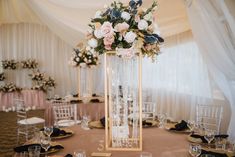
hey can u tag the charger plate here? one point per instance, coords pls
(63, 136)
(95, 124)
(168, 127)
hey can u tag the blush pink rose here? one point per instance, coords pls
(121, 27)
(108, 47)
(126, 53)
(109, 39)
(107, 29)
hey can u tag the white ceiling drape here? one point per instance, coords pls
(69, 18)
(213, 29)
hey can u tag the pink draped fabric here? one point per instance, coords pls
(30, 97)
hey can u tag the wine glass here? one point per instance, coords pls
(209, 136)
(48, 130)
(191, 125)
(195, 149)
(161, 118)
(45, 143)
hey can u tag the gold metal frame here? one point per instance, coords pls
(108, 128)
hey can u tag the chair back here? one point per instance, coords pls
(209, 116)
(64, 111)
(20, 109)
(148, 110)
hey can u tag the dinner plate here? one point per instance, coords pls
(63, 136)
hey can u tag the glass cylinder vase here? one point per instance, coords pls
(123, 102)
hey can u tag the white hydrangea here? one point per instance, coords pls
(130, 37)
(125, 15)
(98, 34)
(98, 14)
(142, 25)
(92, 43)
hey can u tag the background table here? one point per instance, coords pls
(31, 98)
(159, 142)
(95, 110)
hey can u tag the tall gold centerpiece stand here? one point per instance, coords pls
(123, 102)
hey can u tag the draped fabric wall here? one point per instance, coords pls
(25, 41)
(217, 46)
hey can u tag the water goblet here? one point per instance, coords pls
(209, 136)
(195, 149)
(34, 151)
(45, 143)
(161, 118)
(48, 130)
(79, 153)
(191, 125)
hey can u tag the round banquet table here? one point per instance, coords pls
(159, 142)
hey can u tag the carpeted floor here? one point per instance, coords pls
(8, 131)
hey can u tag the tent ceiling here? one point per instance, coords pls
(171, 18)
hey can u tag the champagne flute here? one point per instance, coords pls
(209, 136)
(195, 149)
(45, 143)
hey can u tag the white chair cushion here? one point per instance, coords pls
(31, 121)
(66, 123)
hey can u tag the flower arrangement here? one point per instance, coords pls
(2, 77)
(37, 76)
(42, 82)
(10, 87)
(121, 28)
(84, 58)
(29, 64)
(49, 82)
(9, 64)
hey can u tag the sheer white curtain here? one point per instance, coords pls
(213, 29)
(25, 41)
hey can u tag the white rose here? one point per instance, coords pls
(77, 59)
(126, 16)
(89, 61)
(98, 14)
(85, 59)
(148, 17)
(92, 43)
(130, 37)
(98, 34)
(80, 55)
(142, 25)
(88, 48)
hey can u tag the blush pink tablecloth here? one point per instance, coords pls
(30, 97)
(159, 142)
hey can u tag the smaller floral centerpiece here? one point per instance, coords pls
(42, 82)
(2, 77)
(29, 64)
(122, 28)
(50, 82)
(82, 57)
(10, 87)
(37, 76)
(9, 64)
